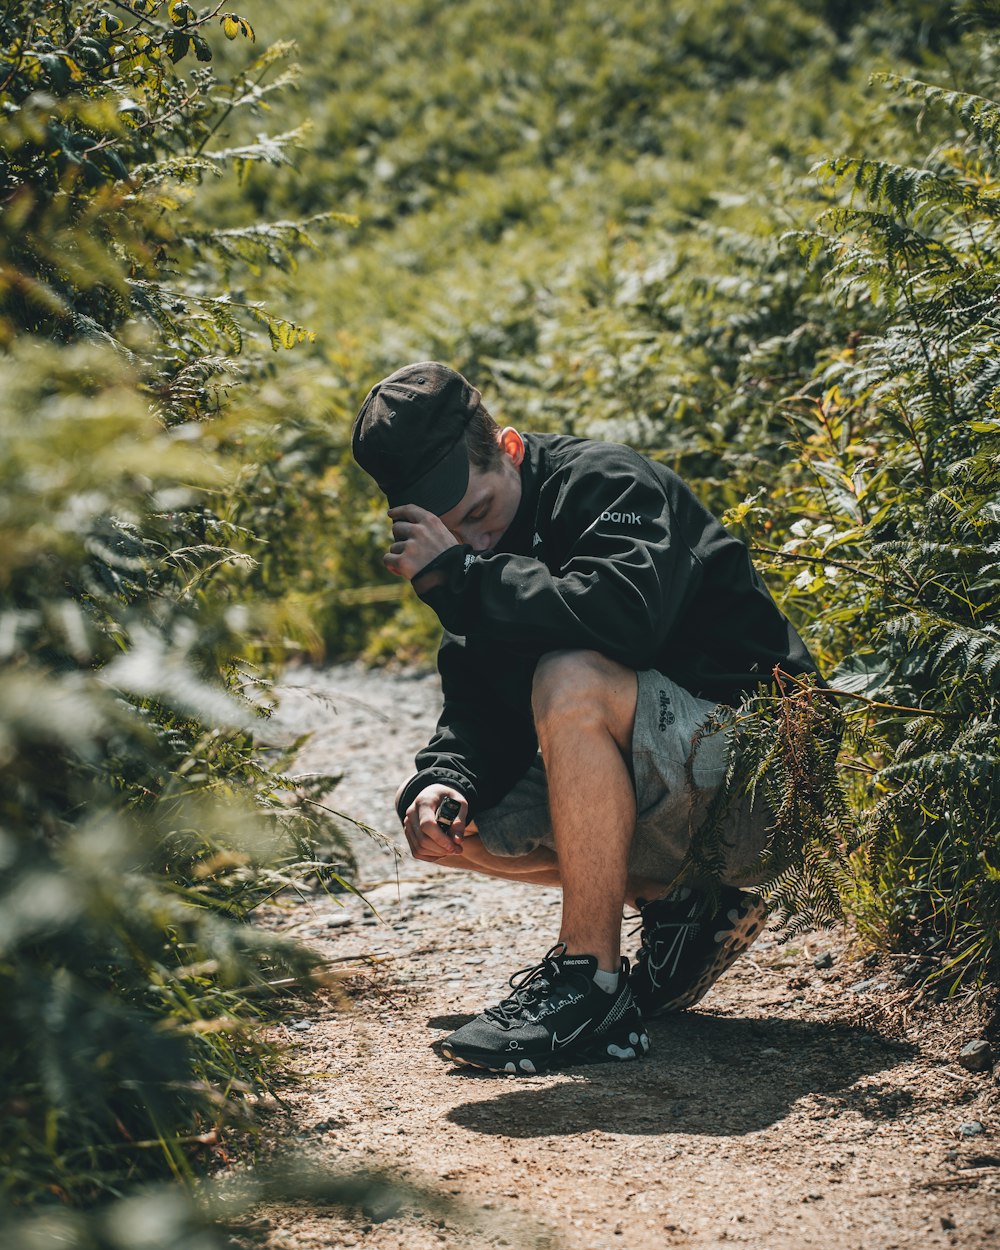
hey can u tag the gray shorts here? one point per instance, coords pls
(669, 810)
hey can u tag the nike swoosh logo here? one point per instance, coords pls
(674, 951)
(558, 1041)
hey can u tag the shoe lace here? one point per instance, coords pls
(530, 985)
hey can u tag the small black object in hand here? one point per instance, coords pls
(447, 811)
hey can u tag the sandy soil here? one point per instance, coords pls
(795, 1107)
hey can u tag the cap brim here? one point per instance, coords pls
(441, 487)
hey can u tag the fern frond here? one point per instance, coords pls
(267, 149)
(784, 754)
(901, 190)
(980, 114)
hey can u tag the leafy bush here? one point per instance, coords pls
(139, 827)
(877, 522)
(898, 474)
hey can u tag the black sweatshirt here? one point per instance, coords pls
(607, 552)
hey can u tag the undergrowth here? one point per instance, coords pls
(140, 827)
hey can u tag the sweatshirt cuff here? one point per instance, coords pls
(446, 600)
(430, 777)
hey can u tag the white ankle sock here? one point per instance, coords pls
(608, 981)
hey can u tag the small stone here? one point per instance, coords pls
(971, 1128)
(862, 987)
(976, 1056)
(947, 1222)
(301, 1024)
(823, 961)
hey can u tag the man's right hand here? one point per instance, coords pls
(427, 840)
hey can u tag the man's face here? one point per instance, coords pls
(488, 506)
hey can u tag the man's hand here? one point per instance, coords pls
(418, 536)
(428, 841)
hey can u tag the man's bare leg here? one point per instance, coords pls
(584, 707)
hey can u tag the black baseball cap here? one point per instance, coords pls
(409, 435)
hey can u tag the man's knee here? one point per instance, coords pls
(583, 690)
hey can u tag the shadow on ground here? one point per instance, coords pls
(705, 1075)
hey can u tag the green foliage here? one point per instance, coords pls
(102, 144)
(139, 825)
(784, 758)
(895, 484)
(214, 1216)
(546, 195)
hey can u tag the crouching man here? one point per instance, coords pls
(596, 616)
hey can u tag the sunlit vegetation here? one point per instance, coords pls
(139, 826)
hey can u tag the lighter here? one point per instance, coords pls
(448, 809)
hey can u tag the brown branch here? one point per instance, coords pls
(861, 698)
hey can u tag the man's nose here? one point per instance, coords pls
(468, 538)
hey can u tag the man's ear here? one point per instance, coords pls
(512, 444)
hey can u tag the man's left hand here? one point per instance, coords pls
(418, 536)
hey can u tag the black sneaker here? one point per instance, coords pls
(688, 942)
(556, 1016)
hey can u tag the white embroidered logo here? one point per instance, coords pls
(621, 518)
(469, 557)
(558, 1041)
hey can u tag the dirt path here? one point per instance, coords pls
(776, 1115)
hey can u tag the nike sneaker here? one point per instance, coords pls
(556, 1016)
(689, 939)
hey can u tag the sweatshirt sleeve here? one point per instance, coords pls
(485, 738)
(614, 578)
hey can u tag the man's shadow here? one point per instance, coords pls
(705, 1075)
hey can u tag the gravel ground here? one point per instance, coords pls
(784, 1112)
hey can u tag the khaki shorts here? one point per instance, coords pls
(669, 810)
